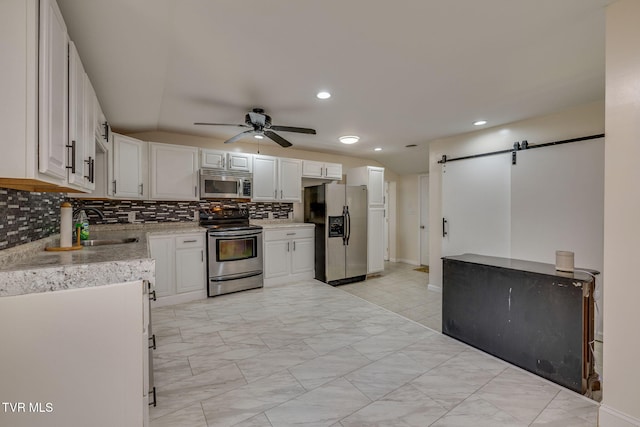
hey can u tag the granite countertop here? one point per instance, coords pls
(522, 265)
(285, 225)
(30, 269)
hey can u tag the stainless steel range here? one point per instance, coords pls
(234, 251)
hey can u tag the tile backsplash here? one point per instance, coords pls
(26, 217)
(117, 211)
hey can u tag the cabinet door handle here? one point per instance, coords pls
(189, 241)
(106, 131)
(202, 256)
(89, 162)
(223, 162)
(142, 189)
(281, 194)
(288, 246)
(195, 191)
(152, 339)
(152, 295)
(275, 194)
(73, 156)
(93, 170)
(114, 187)
(294, 245)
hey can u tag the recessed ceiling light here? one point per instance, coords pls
(349, 139)
(479, 122)
(258, 136)
(377, 149)
(323, 95)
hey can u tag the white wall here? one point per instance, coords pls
(576, 122)
(408, 219)
(621, 350)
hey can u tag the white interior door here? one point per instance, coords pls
(424, 219)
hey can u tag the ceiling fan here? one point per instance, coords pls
(259, 125)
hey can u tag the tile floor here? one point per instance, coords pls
(314, 355)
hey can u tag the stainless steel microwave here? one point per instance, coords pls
(216, 184)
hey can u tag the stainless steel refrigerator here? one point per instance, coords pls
(340, 215)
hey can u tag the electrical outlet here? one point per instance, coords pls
(269, 215)
(131, 216)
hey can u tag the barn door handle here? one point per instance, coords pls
(444, 227)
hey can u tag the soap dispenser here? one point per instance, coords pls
(82, 222)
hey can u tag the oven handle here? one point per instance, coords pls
(237, 233)
(235, 276)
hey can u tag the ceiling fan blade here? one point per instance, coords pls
(238, 136)
(293, 129)
(220, 124)
(277, 138)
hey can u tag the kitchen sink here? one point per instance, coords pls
(102, 242)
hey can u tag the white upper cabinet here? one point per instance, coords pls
(312, 169)
(223, 160)
(276, 179)
(265, 179)
(76, 117)
(241, 162)
(43, 102)
(129, 168)
(290, 180)
(53, 94)
(373, 178)
(213, 159)
(174, 172)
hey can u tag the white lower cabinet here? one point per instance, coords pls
(180, 267)
(288, 254)
(74, 357)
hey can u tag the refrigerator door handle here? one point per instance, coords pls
(348, 224)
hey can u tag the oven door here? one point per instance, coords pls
(220, 187)
(235, 253)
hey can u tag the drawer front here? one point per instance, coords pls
(288, 233)
(190, 241)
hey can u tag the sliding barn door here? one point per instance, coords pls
(476, 206)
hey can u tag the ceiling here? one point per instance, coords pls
(401, 72)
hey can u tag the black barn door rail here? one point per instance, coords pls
(517, 146)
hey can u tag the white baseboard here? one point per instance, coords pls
(179, 298)
(434, 288)
(609, 417)
(393, 260)
(408, 261)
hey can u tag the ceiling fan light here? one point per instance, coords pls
(258, 136)
(349, 139)
(323, 95)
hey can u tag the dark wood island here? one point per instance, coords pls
(525, 313)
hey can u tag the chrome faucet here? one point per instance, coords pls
(94, 210)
